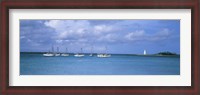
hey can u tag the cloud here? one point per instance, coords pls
(59, 41)
(85, 33)
(137, 35)
(161, 35)
(141, 35)
(109, 38)
(34, 34)
(80, 30)
(100, 29)
(69, 29)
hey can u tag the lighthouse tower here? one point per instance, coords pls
(145, 53)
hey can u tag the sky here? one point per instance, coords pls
(111, 36)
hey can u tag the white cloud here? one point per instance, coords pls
(142, 35)
(137, 35)
(109, 38)
(79, 32)
(163, 32)
(99, 29)
(59, 41)
(69, 28)
(161, 35)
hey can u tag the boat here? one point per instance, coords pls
(65, 54)
(79, 54)
(49, 54)
(104, 55)
(91, 55)
(57, 53)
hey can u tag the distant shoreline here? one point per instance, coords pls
(109, 53)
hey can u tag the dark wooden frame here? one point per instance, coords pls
(99, 4)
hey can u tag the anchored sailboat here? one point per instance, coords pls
(79, 54)
(65, 54)
(104, 55)
(57, 53)
(48, 54)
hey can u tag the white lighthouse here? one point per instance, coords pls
(145, 53)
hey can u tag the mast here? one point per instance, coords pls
(52, 49)
(106, 50)
(66, 50)
(57, 49)
(81, 50)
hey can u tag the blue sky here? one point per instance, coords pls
(119, 36)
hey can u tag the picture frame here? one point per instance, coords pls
(99, 4)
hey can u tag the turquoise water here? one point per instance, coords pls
(36, 64)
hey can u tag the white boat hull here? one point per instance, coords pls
(48, 55)
(57, 54)
(103, 55)
(64, 54)
(79, 55)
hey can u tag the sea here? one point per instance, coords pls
(117, 64)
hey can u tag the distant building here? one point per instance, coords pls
(145, 53)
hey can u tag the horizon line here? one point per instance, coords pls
(99, 53)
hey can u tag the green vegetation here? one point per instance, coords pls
(166, 53)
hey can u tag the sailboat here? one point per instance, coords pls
(65, 54)
(49, 54)
(57, 53)
(104, 55)
(79, 54)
